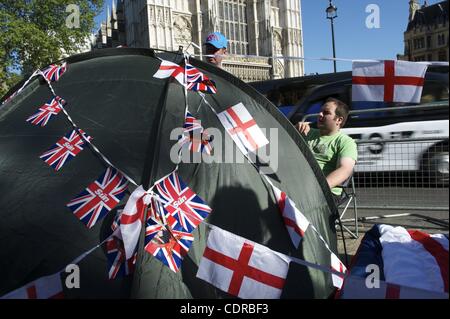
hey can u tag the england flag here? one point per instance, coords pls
(388, 81)
(242, 268)
(409, 264)
(49, 287)
(296, 223)
(132, 219)
(242, 127)
(337, 265)
(170, 69)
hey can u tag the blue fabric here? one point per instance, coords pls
(217, 39)
(368, 253)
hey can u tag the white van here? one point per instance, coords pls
(403, 138)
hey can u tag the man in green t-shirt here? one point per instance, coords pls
(335, 152)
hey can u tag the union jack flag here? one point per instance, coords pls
(53, 72)
(99, 197)
(191, 123)
(194, 136)
(117, 264)
(198, 81)
(166, 244)
(65, 149)
(206, 87)
(46, 111)
(183, 206)
(194, 75)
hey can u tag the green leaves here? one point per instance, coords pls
(34, 33)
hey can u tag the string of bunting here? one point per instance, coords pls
(174, 210)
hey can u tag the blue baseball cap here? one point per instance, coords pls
(217, 39)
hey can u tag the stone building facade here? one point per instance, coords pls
(426, 37)
(112, 31)
(260, 32)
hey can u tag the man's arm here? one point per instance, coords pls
(342, 173)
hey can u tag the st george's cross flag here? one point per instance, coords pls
(170, 69)
(411, 265)
(242, 268)
(132, 219)
(415, 259)
(182, 205)
(355, 287)
(338, 266)
(54, 71)
(295, 222)
(242, 128)
(48, 287)
(100, 197)
(65, 149)
(388, 81)
(46, 111)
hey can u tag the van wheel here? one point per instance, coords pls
(435, 165)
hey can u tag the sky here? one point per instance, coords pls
(353, 40)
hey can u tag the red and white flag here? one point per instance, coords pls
(170, 69)
(242, 128)
(131, 220)
(242, 268)
(48, 287)
(296, 223)
(337, 265)
(357, 288)
(415, 259)
(388, 81)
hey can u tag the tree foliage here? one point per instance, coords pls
(34, 33)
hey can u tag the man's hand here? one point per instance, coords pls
(303, 127)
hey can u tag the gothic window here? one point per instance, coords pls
(233, 23)
(442, 55)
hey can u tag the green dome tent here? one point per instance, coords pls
(113, 96)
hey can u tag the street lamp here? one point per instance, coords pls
(332, 14)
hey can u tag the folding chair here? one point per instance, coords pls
(348, 197)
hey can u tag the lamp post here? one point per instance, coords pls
(332, 14)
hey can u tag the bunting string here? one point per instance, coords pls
(433, 63)
(296, 260)
(87, 140)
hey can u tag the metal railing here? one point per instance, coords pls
(398, 173)
(410, 174)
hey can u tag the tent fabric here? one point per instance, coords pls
(112, 95)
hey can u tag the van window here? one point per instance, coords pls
(434, 91)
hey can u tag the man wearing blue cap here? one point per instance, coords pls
(216, 44)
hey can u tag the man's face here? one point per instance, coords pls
(328, 118)
(212, 50)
